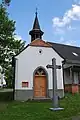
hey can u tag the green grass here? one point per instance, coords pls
(40, 110)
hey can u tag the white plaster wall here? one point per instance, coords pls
(30, 59)
(67, 79)
(2, 80)
(76, 77)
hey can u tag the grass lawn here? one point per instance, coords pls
(5, 90)
(40, 110)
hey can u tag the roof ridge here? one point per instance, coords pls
(64, 45)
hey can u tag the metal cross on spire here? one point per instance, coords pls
(36, 11)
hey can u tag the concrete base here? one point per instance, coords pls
(28, 94)
(56, 109)
(59, 91)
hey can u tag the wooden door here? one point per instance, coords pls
(40, 86)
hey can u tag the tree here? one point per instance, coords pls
(8, 45)
(6, 2)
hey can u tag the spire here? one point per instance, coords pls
(36, 31)
(36, 22)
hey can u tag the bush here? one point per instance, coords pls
(6, 96)
(9, 77)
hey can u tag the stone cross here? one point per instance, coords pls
(54, 76)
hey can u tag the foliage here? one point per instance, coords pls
(8, 45)
(6, 2)
(6, 96)
(9, 77)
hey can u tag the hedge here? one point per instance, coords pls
(6, 96)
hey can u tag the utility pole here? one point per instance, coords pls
(54, 76)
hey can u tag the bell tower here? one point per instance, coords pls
(36, 31)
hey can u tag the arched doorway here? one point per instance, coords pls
(40, 83)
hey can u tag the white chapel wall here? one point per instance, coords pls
(30, 59)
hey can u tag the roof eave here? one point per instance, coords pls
(72, 61)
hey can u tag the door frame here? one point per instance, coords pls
(46, 80)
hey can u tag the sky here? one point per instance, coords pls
(59, 19)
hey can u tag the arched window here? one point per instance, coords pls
(40, 71)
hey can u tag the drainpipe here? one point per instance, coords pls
(63, 62)
(13, 82)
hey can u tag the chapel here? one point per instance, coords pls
(32, 79)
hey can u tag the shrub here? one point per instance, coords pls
(6, 96)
